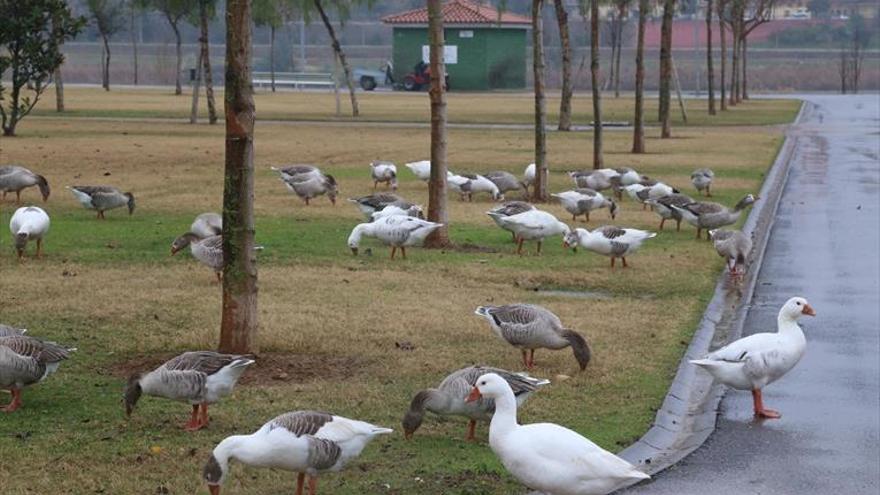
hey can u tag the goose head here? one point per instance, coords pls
(182, 242)
(747, 201)
(796, 307)
(571, 240)
(214, 473)
(612, 207)
(332, 188)
(354, 240)
(130, 197)
(490, 386)
(21, 239)
(132, 393)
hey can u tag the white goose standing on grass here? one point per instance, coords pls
(199, 378)
(582, 201)
(28, 223)
(421, 169)
(103, 198)
(753, 362)
(532, 225)
(507, 209)
(529, 327)
(14, 178)
(25, 361)
(305, 442)
(397, 231)
(528, 176)
(449, 398)
(609, 240)
(548, 457)
(383, 171)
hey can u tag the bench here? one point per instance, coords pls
(296, 80)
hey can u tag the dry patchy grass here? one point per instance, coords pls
(328, 320)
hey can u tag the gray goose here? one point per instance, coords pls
(702, 180)
(103, 198)
(734, 246)
(8, 331)
(530, 327)
(449, 398)
(24, 361)
(505, 181)
(207, 225)
(310, 186)
(592, 179)
(14, 178)
(507, 209)
(199, 378)
(208, 250)
(663, 207)
(707, 215)
(291, 171)
(378, 201)
(305, 442)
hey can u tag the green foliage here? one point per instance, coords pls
(108, 15)
(272, 13)
(173, 10)
(30, 40)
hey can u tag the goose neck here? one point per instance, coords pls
(504, 419)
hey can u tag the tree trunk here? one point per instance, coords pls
(207, 74)
(134, 42)
(734, 64)
(666, 67)
(745, 92)
(272, 56)
(437, 211)
(710, 71)
(565, 39)
(677, 84)
(598, 161)
(177, 88)
(621, 13)
(639, 118)
(541, 173)
(723, 38)
(105, 76)
(194, 110)
(59, 90)
(610, 81)
(238, 326)
(337, 48)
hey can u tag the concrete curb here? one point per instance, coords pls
(688, 413)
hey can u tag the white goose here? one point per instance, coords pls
(611, 241)
(397, 231)
(306, 442)
(583, 201)
(393, 209)
(448, 398)
(753, 362)
(548, 457)
(386, 172)
(469, 184)
(530, 225)
(528, 176)
(29, 223)
(421, 169)
(198, 378)
(507, 209)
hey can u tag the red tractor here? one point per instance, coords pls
(420, 78)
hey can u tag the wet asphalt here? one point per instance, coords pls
(824, 246)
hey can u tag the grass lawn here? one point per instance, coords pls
(329, 322)
(498, 108)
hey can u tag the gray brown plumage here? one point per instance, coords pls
(198, 378)
(663, 207)
(734, 246)
(24, 361)
(103, 198)
(14, 178)
(531, 327)
(506, 182)
(8, 331)
(708, 215)
(702, 180)
(449, 397)
(208, 250)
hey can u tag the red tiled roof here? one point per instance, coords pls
(459, 12)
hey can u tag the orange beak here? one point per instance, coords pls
(808, 310)
(214, 489)
(474, 395)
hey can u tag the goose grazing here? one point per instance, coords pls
(706, 215)
(14, 178)
(644, 194)
(386, 172)
(469, 184)
(28, 223)
(753, 362)
(24, 361)
(309, 186)
(609, 240)
(449, 398)
(530, 327)
(548, 457)
(528, 176)
(305, 442)
(396, 231)
(290, 171)
(628, 176)
(378, 201)
(506, 181)
(734, 246)
(199, 378)
(8, 331)
(597, 180)
(530, 225)
(663, 207)
(507, 209)
(393, 209)
(421, 169)
(583, 201)
(702, 180)
(208, 250)
(103, 198)
(207, 225)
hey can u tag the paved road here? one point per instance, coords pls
(825, 247)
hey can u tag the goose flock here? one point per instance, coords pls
(544, 456)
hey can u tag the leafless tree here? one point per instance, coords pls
(666, 68)
(541, 174)
(598, 159)
(437, 208)
(639, 118)
(567, 89)
(109, 18)
(710, 71)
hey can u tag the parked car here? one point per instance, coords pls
(370, 79)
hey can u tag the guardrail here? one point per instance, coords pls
(296, 80)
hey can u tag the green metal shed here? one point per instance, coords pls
(483, 50)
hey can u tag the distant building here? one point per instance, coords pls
(484, 50)
(839, 9)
